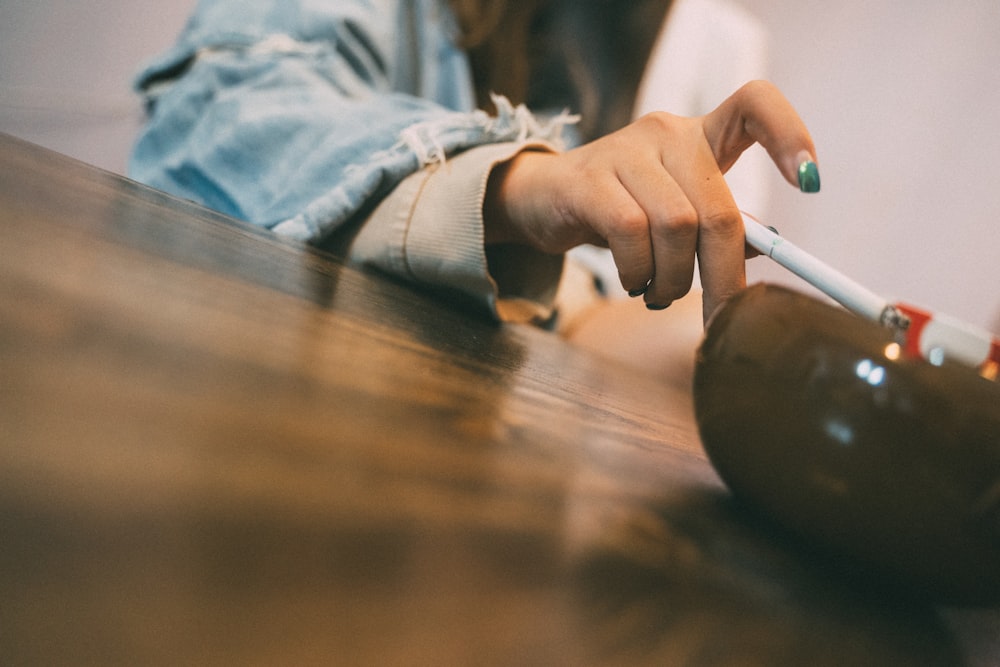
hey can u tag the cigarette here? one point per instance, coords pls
(936, 338)
(833, 283)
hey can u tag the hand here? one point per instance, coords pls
(654, 193)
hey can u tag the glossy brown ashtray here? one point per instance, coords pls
(820, 420)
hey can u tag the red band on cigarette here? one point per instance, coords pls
(918, 320)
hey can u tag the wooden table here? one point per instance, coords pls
(221, 448)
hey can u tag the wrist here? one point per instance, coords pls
(507, 204)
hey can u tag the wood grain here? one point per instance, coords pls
(222, 448)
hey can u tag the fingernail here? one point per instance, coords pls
(657, 306)
(637, 292)
(808, 174)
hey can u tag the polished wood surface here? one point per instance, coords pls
(221, 448)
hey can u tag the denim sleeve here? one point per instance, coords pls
(296, 114)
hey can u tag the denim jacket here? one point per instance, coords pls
(301, 115)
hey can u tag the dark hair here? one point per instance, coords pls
(584, 55)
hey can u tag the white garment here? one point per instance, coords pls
(706, 50)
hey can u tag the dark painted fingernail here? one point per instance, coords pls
(657, 306)
(638, 292)
(808, 176)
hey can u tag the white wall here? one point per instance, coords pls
(902, 98)
(66, 70)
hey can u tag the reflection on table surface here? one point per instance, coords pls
(218, 447)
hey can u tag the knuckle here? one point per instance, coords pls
(629, 223)
(678, 222)
(660, 122)
(756, 88)
(721, 220)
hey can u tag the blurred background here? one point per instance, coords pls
(901, 98)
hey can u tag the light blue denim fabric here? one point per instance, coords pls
(295, 114)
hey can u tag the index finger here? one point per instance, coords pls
(759, 113)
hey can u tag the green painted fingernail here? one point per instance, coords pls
(808, 177)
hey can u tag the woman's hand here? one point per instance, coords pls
(654, 193)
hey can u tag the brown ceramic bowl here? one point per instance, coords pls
(818, 419)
